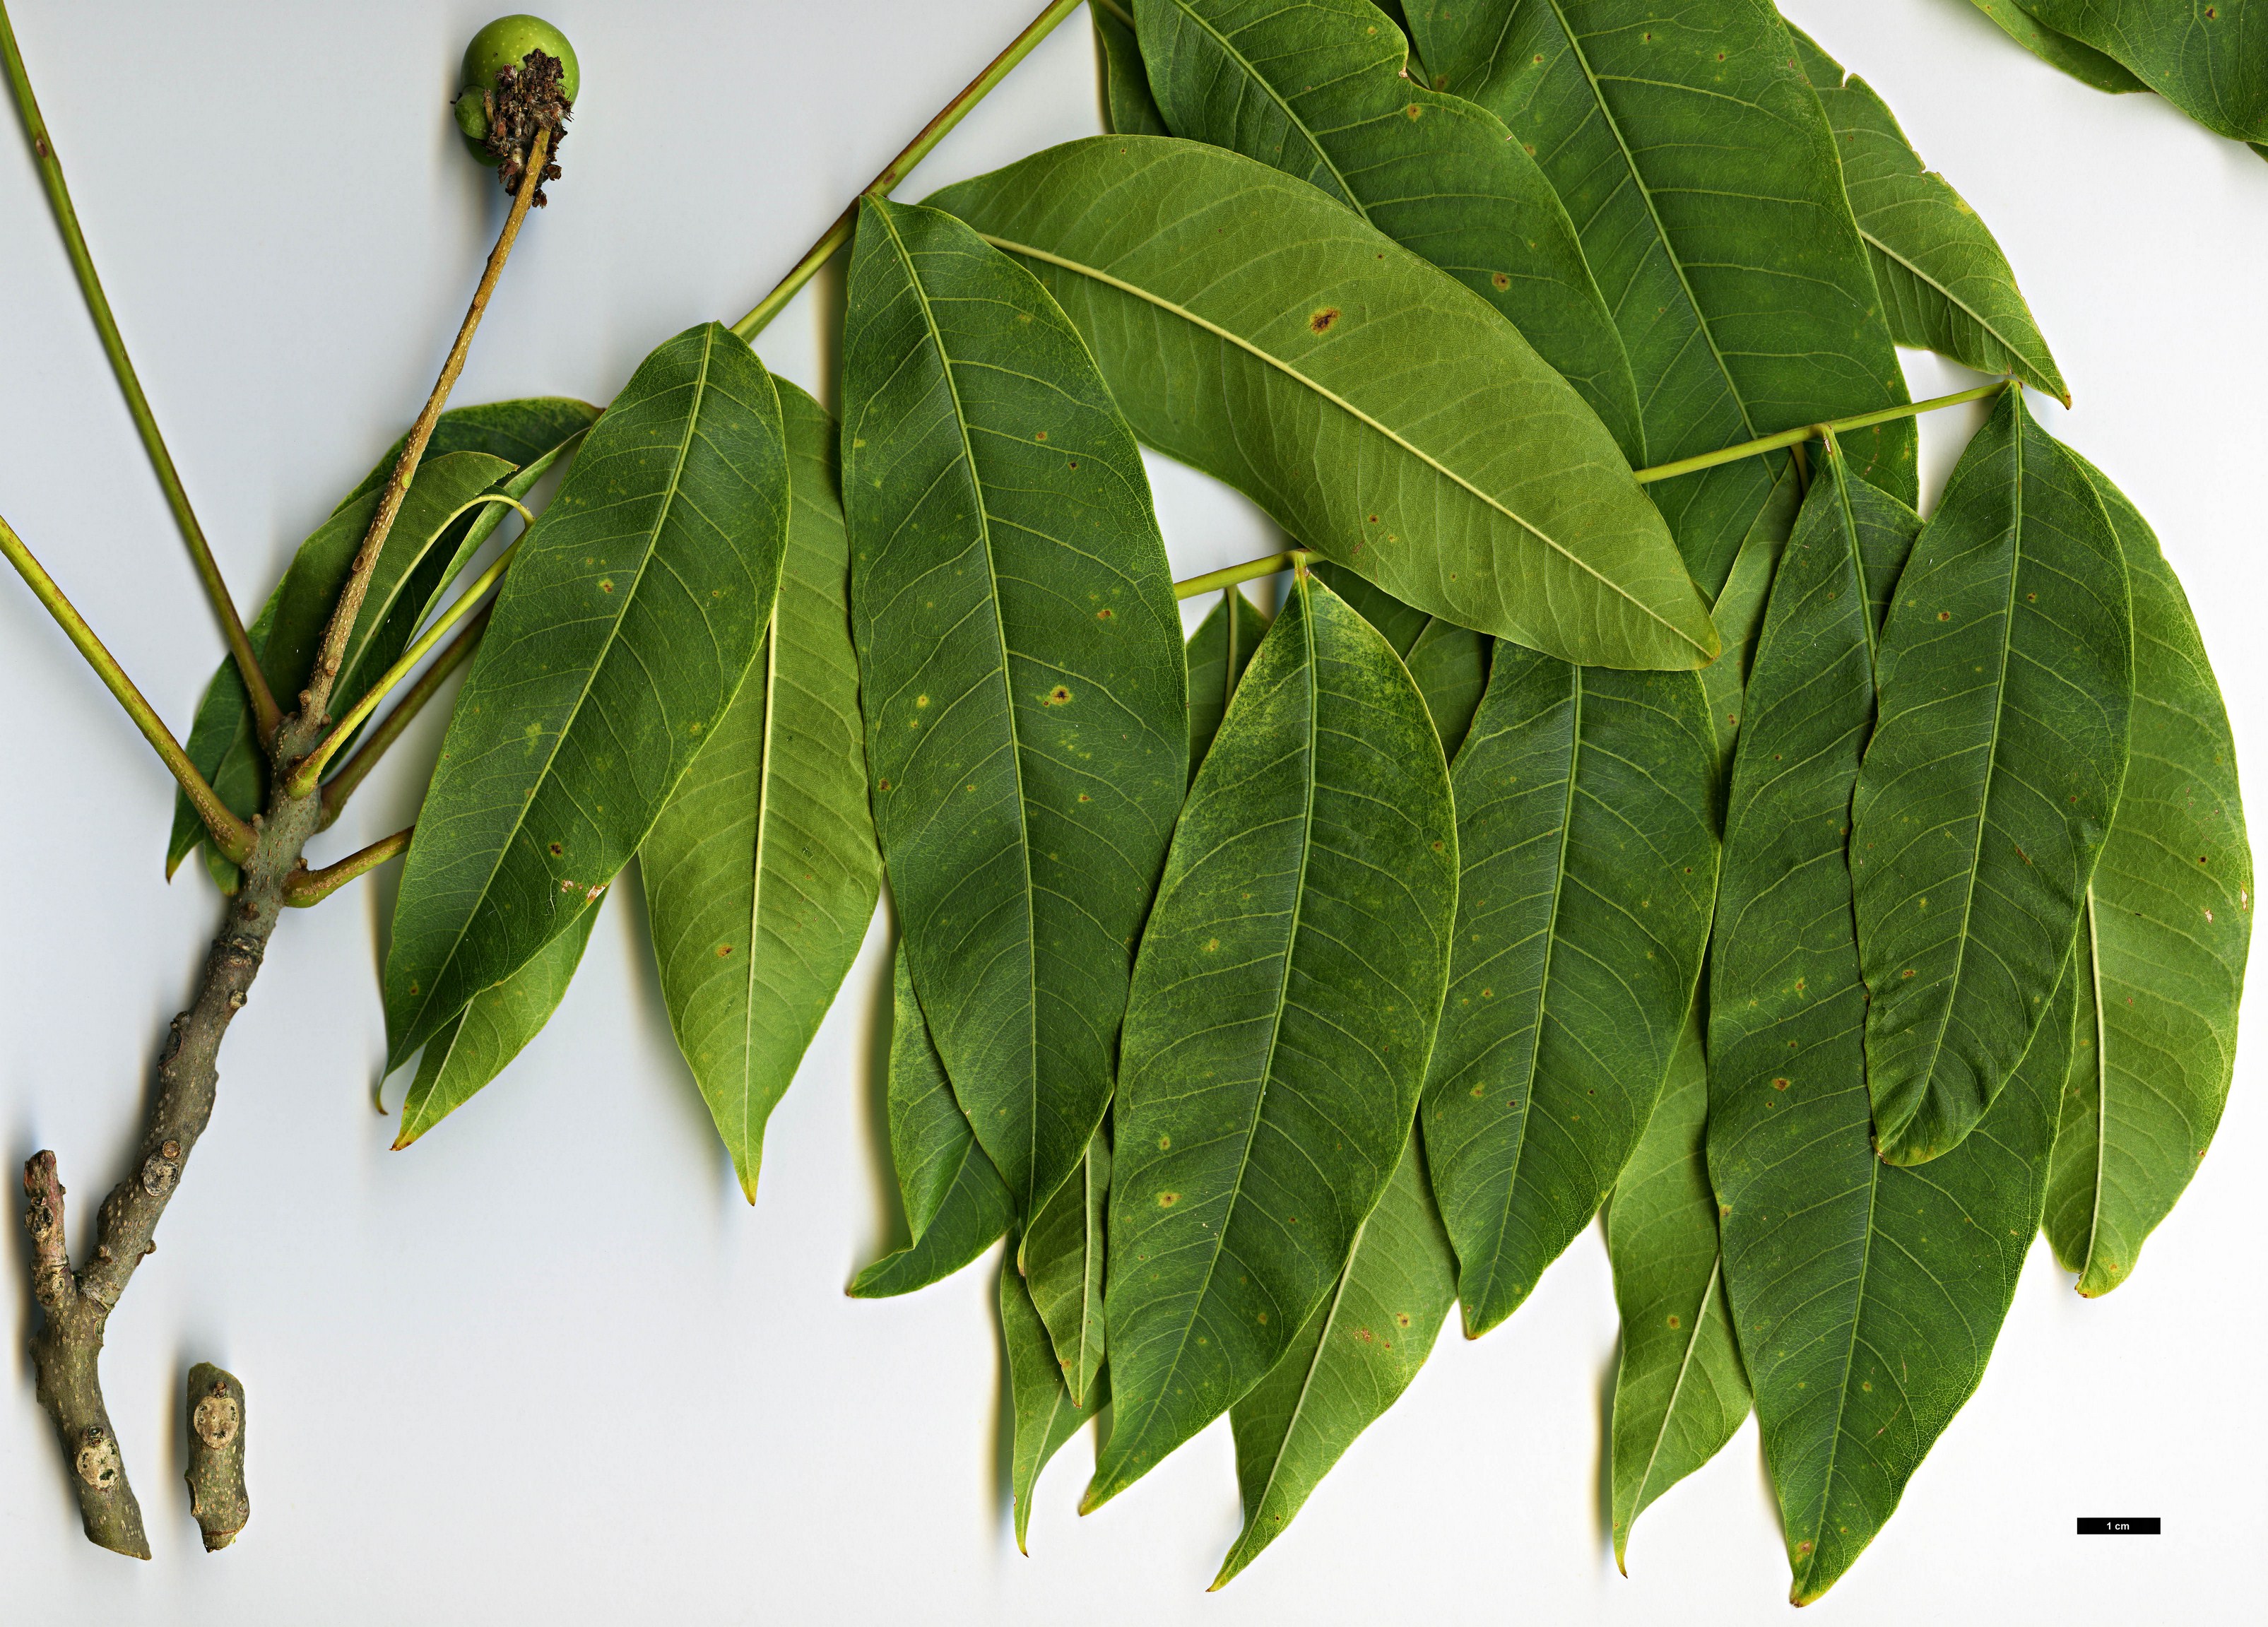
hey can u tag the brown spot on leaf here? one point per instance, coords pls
(1321, 321)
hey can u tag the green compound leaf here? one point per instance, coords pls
(1042, 1414)
(1688, 148)
(1219, 652)
(1258, 331)
(288, 629)
(2209, 60)
(475, 1046)
(1352, 1359)
(1062, 1261)
(956, 1207)
(1679, 1391)
(2006, 677)
(1948, 286)
(1319, 90)
(2082, 62)
(761, 873)
(1284, 1003)
(2162, 948)
(1866, 1296)
(1020, 656)
(624, 626)
(1587, 818)
(1126, 99)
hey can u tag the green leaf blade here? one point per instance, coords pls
(1126, 99)
(1691, 149)
(1254, 329)
(2005, 681)
(623, 628)
(1680, 1390)
(1218, 653)
(1946, 284)
(1319, 92)
(1866, 1296)
(1313, 875)
(956, 1205)
(1739, 611)
(761, 873)
(1587, 822)
(2082, 62)
(1868, 1317)
(2209, 61)
(1061, 1259)
(1043, 1415)
(517, 432)
(1022, 675)
(1358, 1352)
(470, 1050)
(1450, 666)
(2162, 945)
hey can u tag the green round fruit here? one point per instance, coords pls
(506, 42)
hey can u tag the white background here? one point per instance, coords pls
(548, 1364)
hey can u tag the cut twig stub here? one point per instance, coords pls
(218, 1498)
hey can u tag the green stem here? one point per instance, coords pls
(265, 711)
(1790, 437)
(309, 887)
(310, 768)
(898, 168)
(342, 786)
(229, 833)
(1250, 570)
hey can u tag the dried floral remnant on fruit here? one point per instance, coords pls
(523, 100)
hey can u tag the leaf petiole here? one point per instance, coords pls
(898, 168)
(310, 768)
(229, 833)
(341, 784)
(309, 887)
(265, 711)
